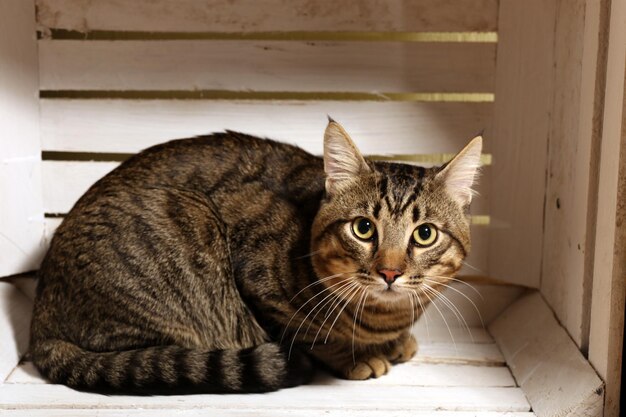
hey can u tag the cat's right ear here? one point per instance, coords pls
(343, 162)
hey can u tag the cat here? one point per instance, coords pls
(229, 263)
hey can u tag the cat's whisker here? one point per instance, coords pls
(329, 301)
(452, 307)
(423, 308)
(426, 288)
(457, 280)
(331, 308)
(293, 340)
(319, 281)
(304, 304)
(326, 300)
(467, 298)
(352, 294)
(473, 267)
(408, 294)
(319, 310)
(308, 255)
(356, 313)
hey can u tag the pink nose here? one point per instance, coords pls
(390, 275)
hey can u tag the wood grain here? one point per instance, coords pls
(521, 123)
(570, 197)
(267, 66)
(545, 362)
(259, 412)
(316, 397)
(21, 221)
(275, 15)
(377, 127)
(606, 338)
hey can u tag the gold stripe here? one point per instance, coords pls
(435, 158)
(480, 220)
(264, 95)
(84, 156)
(109, 35)
(476, 220)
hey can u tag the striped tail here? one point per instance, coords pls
(171, 369)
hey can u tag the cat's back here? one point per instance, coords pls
(226, 168)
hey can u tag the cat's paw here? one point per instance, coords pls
(371, 367)
(404, 350)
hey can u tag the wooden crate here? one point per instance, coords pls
(84, 84)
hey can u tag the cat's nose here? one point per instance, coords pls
(390, 275)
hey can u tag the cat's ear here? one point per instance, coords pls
(460, 174)
(342, 160)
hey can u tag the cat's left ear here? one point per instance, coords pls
(343, 162)
(460, 174)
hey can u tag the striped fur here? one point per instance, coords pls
(225, 263)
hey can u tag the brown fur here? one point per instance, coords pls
(199, 266)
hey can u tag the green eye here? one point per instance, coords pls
(425, 234)
(363, 228)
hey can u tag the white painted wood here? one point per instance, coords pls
(442, 334)
(545, 362)
(475, 304)
(15, 313)
(275, 15)
(377, 127)
(409, 374)
(570, 203)
(606, 336)
(521, 124)
(486, 354)
(64, 182)
(311, 397)
(255, 413)
(267, 66)
(21, 214)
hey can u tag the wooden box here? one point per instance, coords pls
(86, 83)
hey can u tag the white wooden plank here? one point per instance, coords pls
(267, 66)
(571, 187)
(64, 182)
(377, 127)
(545, 362)
(486, 354)
(442, 334)
(255, 413)
(521, 123)
(475, 305)
(15, 314)
(606, 335)
(21, 220)
(409, 374)
(310, 397)
(275, 15)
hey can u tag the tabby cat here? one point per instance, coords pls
(229, 263)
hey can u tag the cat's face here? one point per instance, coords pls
(391, 230)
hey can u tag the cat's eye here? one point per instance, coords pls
(363, 228)
(425, 234)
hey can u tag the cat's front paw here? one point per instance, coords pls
(404, 350)
(366, 368)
